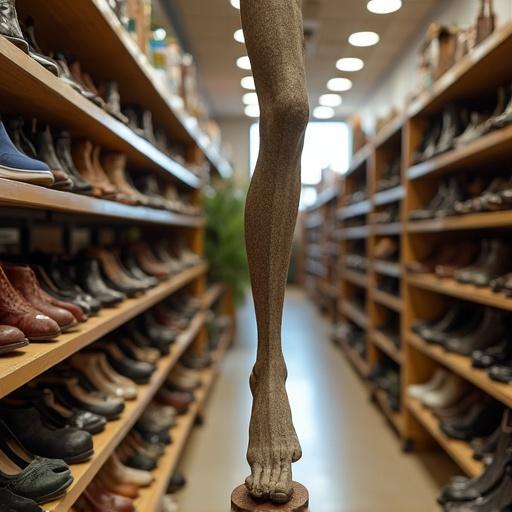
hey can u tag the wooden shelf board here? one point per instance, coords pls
(325, 197)
(107, 441)
(388, 300)
(355, 314)
(471, 221)
(139, 82)
(386, 345)
(24, 195)
(359, 159)
(394, 228)
(391, 195)
(329, 290)
(354, 233)
(150, 497)
(357, 278)
(389, 131)
(491, 147)
(462, 366)
(395, 418)
(213, 294)
(30, 89)
(387, 268)
(18, 368)
(355, 209)
(467, 292)
(360, 365)
(474, 74)
(313, 221)
(459, 451)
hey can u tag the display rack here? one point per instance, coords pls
(421, 296)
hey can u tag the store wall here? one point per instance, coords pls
(397, 86)
(235, 141)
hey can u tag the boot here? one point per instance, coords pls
(9, 25)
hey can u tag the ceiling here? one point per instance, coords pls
(207, 29)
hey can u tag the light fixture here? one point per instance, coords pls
(330, 100)
(252, 111)
(384, 6)
(243, 62)
(238, 36)
(339, 84)
(250, 98)
(364, 39)
(235, 4)
(247, 82)
(323, 112)
(350, 64)
(159, 34)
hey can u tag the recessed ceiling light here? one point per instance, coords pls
(250, 98)
(247, 82)
(252, 111)
(330, 100)
(384, 6)
(364, 39)
(323, 112)
(350, 64)
(235, 4)
(339, 84)
(238, 36)
(243, 62)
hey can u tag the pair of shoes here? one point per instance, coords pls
(443, 390)
(391, 175)
(442, 204)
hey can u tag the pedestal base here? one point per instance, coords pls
(241, 501)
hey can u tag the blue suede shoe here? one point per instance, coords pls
(14, 165)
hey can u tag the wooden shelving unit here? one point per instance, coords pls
(357, 278)
(386, 345)
(394, 418)
(358, 363)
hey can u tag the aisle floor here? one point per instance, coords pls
(352, 461)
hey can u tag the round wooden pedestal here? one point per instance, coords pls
(241, 501)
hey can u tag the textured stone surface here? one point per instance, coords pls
(241, 501)
(274, 38)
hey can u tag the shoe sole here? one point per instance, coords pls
(18, 42)
(77, 459)
(27, 176)
(5, 349)
(49, 337)
(70, 327)
(54, 495)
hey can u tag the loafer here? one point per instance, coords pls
(10, 502)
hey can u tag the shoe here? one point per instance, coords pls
(464, 257)
(179, 400)
(113, 101)
(124, 474)
(493, 355)
(450, 392)
(68, 443)
(453, 120)
(496, 264)
(101, 500)
(484, 448)
(437, 380)
(16, 311)
(16, 166)
(90, 280)
(386, 249)
(114, 165)
(177, 482)
(147, 261)
(11, 339)
(429, 211)
(10, 502)
(25, 282)
(63, 150)
(28, 30)
(9, 25)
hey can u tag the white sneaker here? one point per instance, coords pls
(435, 382)
(451, 390)
(168, 504)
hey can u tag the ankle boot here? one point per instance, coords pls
(34, 50)
(109, 189)
(9, 25)
(114, 165)
(113, 101)
(63, 149)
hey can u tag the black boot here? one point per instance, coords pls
(9, 25)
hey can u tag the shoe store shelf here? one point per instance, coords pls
(107, 441)
(387, 300)
(36, 358)
(475, 73)
(35, 92)
(354, 210)
(150, 497)
(353, 233)
(386, 345)
(459, 451)
(212, 295)
(326, 196)
(391, 195)
(493, 147)
(359, 159)
(394, 417)
(358, 278)
(461, 365)
(387, 268)
(467, 292)
(329, 290)
(389, 130)
(24, 195)
(470, 221)
(359, 364)
(106, 49)
(355, 314)
(314, 221)
(394, 228)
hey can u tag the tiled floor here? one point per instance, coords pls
(352, 460)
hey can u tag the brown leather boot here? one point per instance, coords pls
(11, 339)
(148, 262)
(114, 165)
(16, 311)
(108, 187)
(24, 280)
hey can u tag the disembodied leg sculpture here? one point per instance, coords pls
(274, 37)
